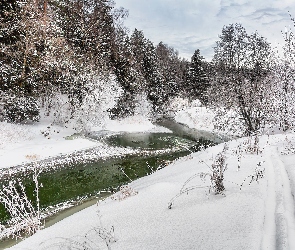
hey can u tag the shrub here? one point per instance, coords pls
(216, 176)
(217, 173)
(25, 217)
(258, 174)
(125, 192)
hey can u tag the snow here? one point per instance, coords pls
(20, 141)
(192, 114)
(137, 123)
(250, 215)
(199, 118)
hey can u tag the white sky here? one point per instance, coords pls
(187, 25)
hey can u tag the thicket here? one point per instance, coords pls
(252, 86)
(62, 51)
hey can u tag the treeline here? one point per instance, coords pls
(78, 56)
(59, 46)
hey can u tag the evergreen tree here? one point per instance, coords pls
(146, 63)
(197, 78)
(171, 68)
(128, 73)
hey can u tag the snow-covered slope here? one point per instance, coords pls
(255, 216)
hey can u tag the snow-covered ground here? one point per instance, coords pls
(255, 216)
(18, 142)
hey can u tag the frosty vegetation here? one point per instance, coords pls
(75, 61)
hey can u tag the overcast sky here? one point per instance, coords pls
(188, 25)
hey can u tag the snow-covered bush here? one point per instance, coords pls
(25, 217)
(177, 103)
(102, 95)
(228, 121)
(125, 192)
(258, 174)
(143, 106)
(98, 95)
(217, 173)
(58, 106)
(289, 147)
(252, 145)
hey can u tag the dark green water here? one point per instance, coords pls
(149, 141)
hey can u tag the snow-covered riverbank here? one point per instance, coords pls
(255, 216)
(44, 140)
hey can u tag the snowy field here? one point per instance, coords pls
(256, 210)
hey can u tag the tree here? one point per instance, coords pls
(172, 69)
(128, 72)
(242, 64)
(22, 48)
(146, 64)
(284, 91)
(197, 82)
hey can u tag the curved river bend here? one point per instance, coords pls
(83, 182)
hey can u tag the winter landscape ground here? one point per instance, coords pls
(160, 151)
(256, 210)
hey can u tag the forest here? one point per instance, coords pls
(77, 61)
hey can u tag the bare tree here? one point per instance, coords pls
(242, 76)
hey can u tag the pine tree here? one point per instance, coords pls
(197, 79)
(172, 68)
(146, 63)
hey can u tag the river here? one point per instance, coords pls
(79, 185)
